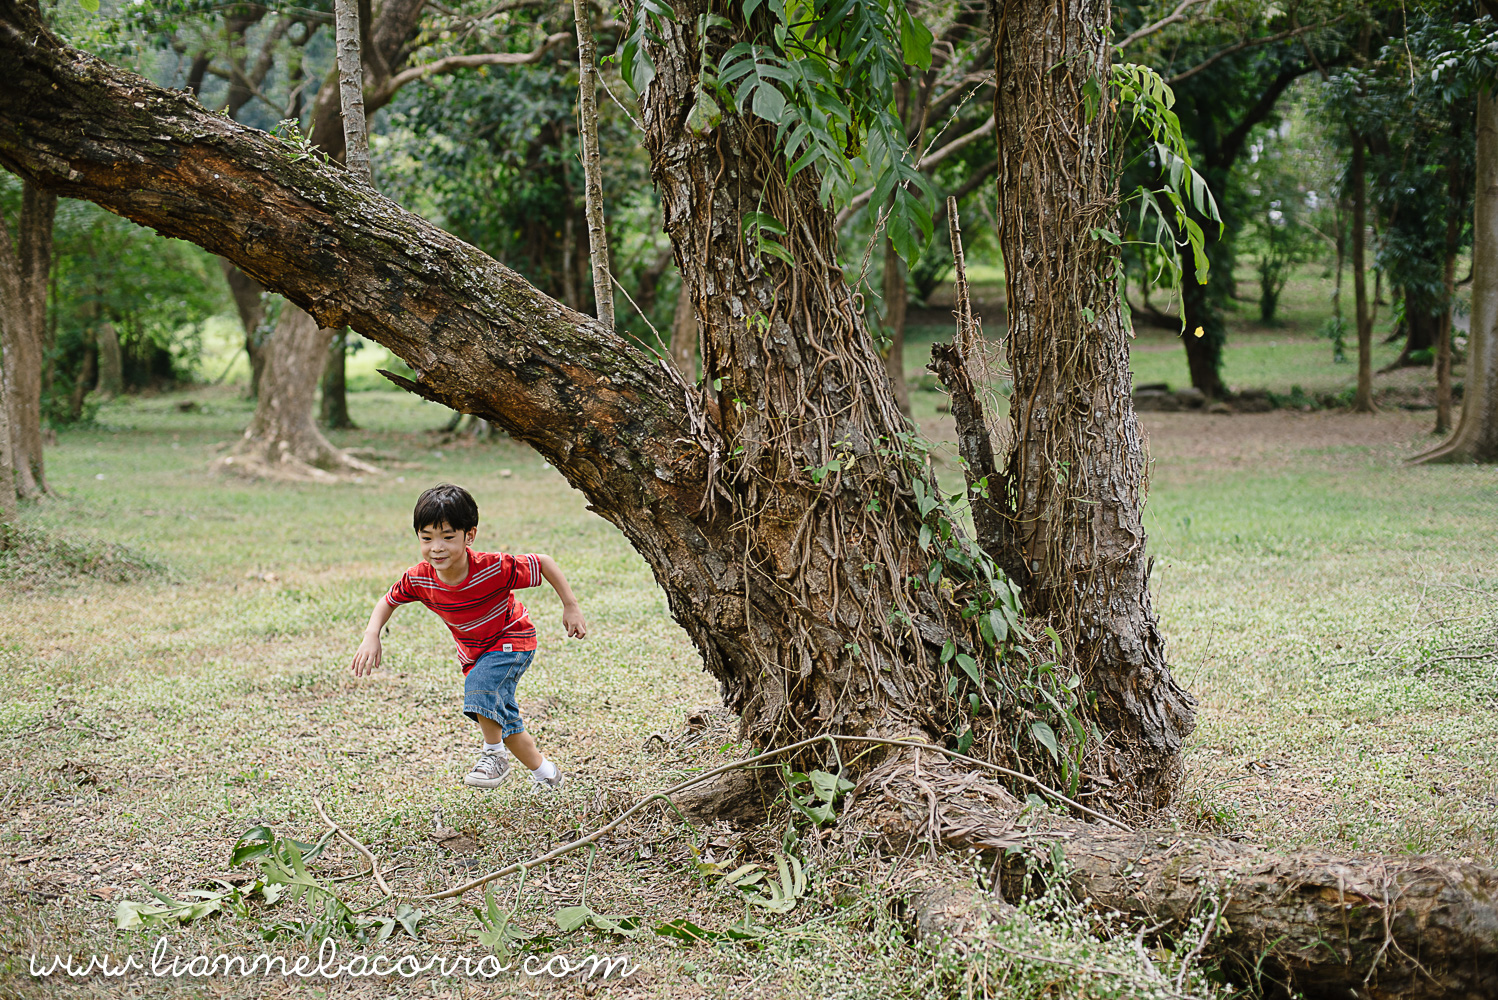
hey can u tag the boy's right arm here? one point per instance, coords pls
(368, 655)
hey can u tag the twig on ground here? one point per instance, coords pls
(1201, 942)
(374, 866)
(755, 761)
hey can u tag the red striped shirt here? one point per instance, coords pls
(480, 612)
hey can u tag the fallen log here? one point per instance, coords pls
(1305, 922)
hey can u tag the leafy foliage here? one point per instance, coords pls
(824, 74)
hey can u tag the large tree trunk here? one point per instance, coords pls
(24, 268)
(1073, 537)
(1308, 923)
(284, 430)
(1363, 401)
(282, 438)
(1476, 435)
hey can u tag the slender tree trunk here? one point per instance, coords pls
(1363, 401)
(1476, 435)
(587, 122)
(24, 269)
(1073, 537)
(1204, 333)
(111, 367)
(684, 337)
(569, 254)
(87, 377)
(894, 323)
(7, 452)
(333, 411)
(351, 89)
(249, 301)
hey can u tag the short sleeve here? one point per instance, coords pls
(525, 571)
(402, 592)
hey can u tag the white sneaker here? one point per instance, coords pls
(492, 768)
(555, 781)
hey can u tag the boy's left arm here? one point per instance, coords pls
(572, 612)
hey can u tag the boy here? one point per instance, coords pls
(470, 592)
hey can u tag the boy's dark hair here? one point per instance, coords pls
(445, 504)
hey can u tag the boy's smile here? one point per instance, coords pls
(445, 549)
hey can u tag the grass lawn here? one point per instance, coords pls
(1334, 610)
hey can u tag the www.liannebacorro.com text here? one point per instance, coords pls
(163, 964)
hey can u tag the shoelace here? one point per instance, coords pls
(490, 764)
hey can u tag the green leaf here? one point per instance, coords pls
(570, 918)
(915, 42)
(948, 649)
(409, 917)
(999, 622)
(255, 841)
(970, 667)
(965, 741)
(1046, 737)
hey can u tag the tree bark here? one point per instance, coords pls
(24, 268)
(1363, 401)
(1204, 333)
(1448, 289)
(111, 367)
(684, 337)
(894, 324)
(1476, 435)
(1073, 538)
(587, 129)
(351, 89)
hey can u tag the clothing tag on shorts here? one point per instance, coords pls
(507, 648)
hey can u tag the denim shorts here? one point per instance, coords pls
(489, 689)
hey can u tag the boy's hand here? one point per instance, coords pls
(574, 623)
(367, 657)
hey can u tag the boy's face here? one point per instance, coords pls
(443, 546)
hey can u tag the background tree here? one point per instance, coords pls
(1230, 67)
(1464, 63)
(25, 263)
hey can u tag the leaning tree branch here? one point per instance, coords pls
(1249, 43)
(622, 427)
(449, 64)
(1179, 14)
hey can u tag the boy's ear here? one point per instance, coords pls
(470, 535)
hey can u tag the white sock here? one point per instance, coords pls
(494, 747)
(547, 770)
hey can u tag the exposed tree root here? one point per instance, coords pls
(1319, 924)
(332, 467)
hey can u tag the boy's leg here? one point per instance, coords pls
(490, 729)
(523, 747)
